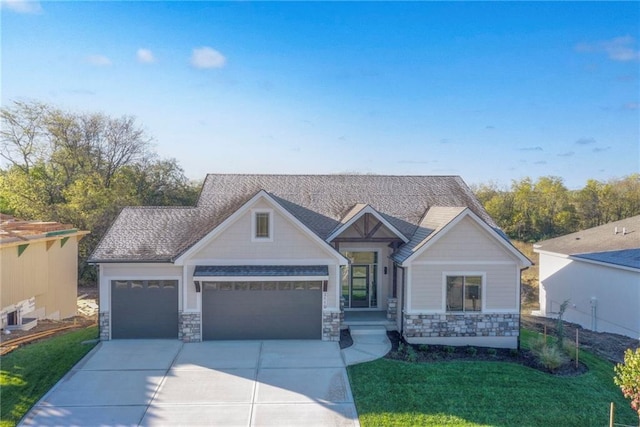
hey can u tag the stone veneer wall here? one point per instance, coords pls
(189, 327)
(104, 326)
(392, 309)
(461, 325)
(331, 326)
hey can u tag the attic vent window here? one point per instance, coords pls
(262, 225)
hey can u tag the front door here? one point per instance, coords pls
(359, 286)
(360, 280)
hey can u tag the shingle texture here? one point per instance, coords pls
(602, 243)
(320, 202)
(261, 270)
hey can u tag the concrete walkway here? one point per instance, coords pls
(369, 343)
(230, 383)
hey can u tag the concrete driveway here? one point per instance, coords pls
(228, 383)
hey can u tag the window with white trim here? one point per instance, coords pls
(262, 225)
(464, 293)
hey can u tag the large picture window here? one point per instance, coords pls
(464, 293)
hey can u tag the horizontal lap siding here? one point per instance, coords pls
(288, 242)
(467, 241)
(23, 276)
(465, 248)
(426, 292)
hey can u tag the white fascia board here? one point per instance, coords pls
(604, 264)
(525, 262)
(243, 210)
(365, 210)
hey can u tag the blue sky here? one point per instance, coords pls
(490, 91)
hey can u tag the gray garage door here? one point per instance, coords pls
(261, 310)
(144, 309)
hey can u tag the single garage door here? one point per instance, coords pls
(144, 309)
(262, 310)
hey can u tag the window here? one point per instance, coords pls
(262, 226)
(464, 293)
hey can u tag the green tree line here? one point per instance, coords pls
(81, 169)
(536, 210)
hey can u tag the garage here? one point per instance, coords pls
(144, 309)
(258, 302)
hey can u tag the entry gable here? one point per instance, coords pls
(460, 235)
(366, 223)
(240, 229)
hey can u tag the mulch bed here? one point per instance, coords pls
(441, 353)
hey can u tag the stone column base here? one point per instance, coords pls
(189, 327)
(392, 309)
(331, 325)
(104, 325)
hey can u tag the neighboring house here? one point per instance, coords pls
(598, 271)
(38, 271)
(303, 256)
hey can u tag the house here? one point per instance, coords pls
(303, 256)
(598, 271)
(39, 271)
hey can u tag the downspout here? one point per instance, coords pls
(404, 295)
(520, 306)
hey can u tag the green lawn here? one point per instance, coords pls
(27, 373)
(469, 393)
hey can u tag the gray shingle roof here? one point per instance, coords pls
(261, 270)
(318, 201)
(601, 243)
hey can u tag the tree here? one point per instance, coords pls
(628, 378)
(82, 169)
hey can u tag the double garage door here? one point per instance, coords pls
(261, 310)
(230, 310)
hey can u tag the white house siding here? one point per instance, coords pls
(616, 293)
(466, 249)
(289, 242)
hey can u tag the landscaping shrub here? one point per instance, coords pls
(551, 357)
(471, 351)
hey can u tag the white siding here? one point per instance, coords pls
(466, 247)
(467, 241)
(616, 294)
(289, 242)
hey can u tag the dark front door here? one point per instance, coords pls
(359, 286)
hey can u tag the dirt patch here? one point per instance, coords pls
(606, 345)
(401, 350)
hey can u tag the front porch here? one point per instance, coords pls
(368, 318)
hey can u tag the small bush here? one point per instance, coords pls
(449, 349)
(513, 352)
(423, 347)
(569, 348)
(401, 347)
(492, 352)
(471, 351)
(551, 358)
(538, 344)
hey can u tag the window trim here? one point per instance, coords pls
(483, 287)
(254, 225)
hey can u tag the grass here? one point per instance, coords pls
(27, 373)
(467, 393)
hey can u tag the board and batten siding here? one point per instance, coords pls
(46, 270)
(466, 248)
